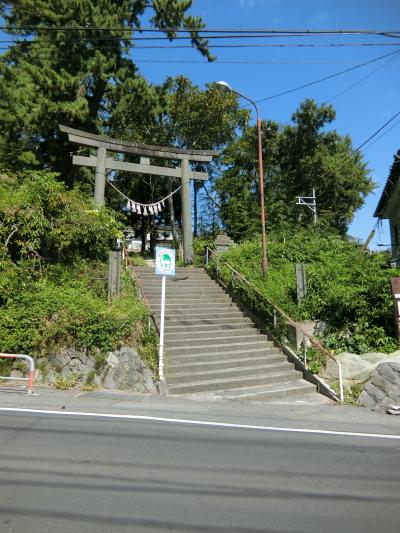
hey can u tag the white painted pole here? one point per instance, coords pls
(161, 350)
(314, 206)
(341, 381)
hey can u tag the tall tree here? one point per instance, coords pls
(176, 113)
(297, 158)
(71, 59)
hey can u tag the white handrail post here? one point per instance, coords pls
(340, 381)
(161, 350)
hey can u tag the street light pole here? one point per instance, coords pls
(225, 87)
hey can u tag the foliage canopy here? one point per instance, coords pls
(40, 219)
(63, 70)
(297, 158)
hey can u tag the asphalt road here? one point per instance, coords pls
(71, 473)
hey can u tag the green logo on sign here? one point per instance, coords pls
(165, 262)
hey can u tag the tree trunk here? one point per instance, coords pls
(195, 191)
(172, 218)
(153, 236)
(144, 234)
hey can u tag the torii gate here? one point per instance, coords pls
(102, 163)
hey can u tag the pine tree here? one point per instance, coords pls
(64, 70)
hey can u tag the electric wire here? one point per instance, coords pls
(272, 31)
(231, 46)
(370, 138)
(330, 76)
(380, 136)
(386, 63)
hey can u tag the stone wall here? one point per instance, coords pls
(383, 389)
(122, 369)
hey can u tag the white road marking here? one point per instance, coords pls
(206, 423)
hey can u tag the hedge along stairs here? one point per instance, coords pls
(212, 349)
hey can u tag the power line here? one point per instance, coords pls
(177, 37)
(326, 77)
(255, 45)
(383, 134)
(370, 137)
(364, 77)
(157, 38)
(271, 31)
(239, 62)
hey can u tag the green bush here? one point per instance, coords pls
(199, 249)
(68, 307)
(41, 220)
(53, 274)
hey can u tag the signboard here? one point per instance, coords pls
(165, 266)
(165, 261)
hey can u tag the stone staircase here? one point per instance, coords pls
(212, 349)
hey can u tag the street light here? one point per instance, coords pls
(226, 88)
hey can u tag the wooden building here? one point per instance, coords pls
(389, 207)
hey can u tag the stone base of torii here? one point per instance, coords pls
(102, 164)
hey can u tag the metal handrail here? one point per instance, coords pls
(31, 371)
(315, 343)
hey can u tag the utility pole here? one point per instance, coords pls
(310, 202)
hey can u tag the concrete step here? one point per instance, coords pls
(178, 270)
(190, 296)
(246, 345)
(201, 305)
(189, 293)
(211, 365)
(228, 383)
(184, 335)
(300, 389)
(203, 314)
(152, 289)
(237, 323)
(214, 340)
(178, 273)
(179, 283)
(175, 359)
(285, 371)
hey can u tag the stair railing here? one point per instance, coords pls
(276, 312)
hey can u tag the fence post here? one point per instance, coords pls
(114, 274)
(301, 282)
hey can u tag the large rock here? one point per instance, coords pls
(357, 368)
(125, 370)
(384, 387)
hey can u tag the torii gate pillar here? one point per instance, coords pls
(186, 213)
(100, 184)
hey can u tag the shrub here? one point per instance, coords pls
(40, 314)
(349, 292)
(42, 220)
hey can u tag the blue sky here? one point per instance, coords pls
(364, 99)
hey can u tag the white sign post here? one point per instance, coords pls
(165, 266)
